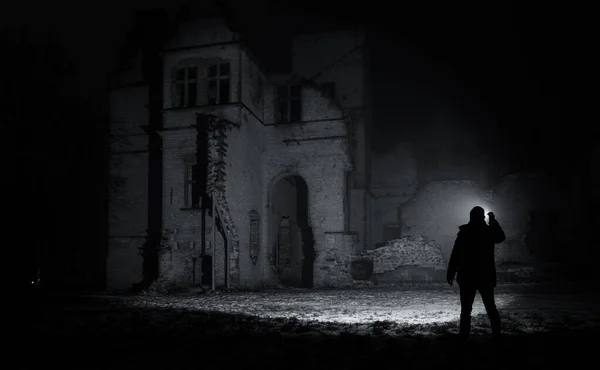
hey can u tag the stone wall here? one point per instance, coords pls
(179, 150)
(322, 169)
(242, 182)
(336, 258)
(410, 258)
(244, 186)
(315, 151)
(338, 58)
(253, 84)
(318, 152)
(259, 155)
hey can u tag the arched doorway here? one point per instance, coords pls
(292, 249)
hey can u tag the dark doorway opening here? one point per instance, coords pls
(294, 250)
(206, 267)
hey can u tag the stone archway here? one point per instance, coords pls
(292, 249)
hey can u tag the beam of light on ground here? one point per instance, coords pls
(344, 306)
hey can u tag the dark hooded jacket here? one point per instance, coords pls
(473, 253)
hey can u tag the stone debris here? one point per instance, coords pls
(407, 251)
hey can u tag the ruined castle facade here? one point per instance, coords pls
(224, 174)
(227, 175)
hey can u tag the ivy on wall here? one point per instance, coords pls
(217, 129)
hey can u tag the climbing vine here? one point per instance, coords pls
(217, 129)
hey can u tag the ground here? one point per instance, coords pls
(410, 326)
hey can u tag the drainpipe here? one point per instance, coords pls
(227, 259)
(226, 263)
(214, 239)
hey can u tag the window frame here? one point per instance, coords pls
(190, 187)
(289, 99)
(217, 79)
(181, 85)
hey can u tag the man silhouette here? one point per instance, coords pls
(473, 259)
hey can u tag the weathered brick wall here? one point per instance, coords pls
(315, 106)
(333, 270)
(244, 186)
(128, 205)
(339, 57)
(322, 169)
(243, 180)
(179, 147)
(253, 84)
(322, 162)
(257, 158)
(244, 165)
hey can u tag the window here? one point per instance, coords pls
(258, 92)
(289, 104)
(191, 194)
(328, 89)
(197, 85)
(218, 83)
(186, 87)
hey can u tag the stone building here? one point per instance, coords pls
(223, 173)
(300, 196)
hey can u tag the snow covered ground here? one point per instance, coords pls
(409, 309)
(411, 326)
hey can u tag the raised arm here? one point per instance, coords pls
(497, 232)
